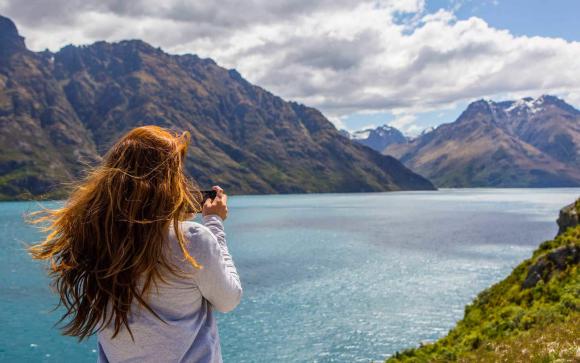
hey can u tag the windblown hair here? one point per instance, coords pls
(110, 232)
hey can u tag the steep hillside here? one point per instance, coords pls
(59, 111)
(524, 143)
(548, 123)
(42, 138)
(531, 316)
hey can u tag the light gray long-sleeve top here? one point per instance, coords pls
(189, 333)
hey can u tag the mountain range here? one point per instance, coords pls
(60, 111)
(522, 143)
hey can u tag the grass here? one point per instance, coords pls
(554, 342)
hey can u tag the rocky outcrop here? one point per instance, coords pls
(559, 259)
(545, 266)
(569, 217)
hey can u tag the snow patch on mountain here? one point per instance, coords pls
(379, 138)
(361, 134)
(527, 104)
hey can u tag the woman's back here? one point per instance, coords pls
(189, 331)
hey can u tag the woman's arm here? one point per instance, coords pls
(218, 280)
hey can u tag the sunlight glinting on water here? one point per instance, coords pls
(327, 277)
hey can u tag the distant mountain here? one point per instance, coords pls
(378, 138)
(60, 111)
(523, 143)
(425, 131)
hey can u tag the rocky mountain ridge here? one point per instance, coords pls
(60, 111)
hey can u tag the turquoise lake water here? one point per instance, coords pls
(327, 277)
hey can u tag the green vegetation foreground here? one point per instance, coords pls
(531, 316)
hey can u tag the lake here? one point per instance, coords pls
(327, 277)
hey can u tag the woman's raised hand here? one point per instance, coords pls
(218, 205)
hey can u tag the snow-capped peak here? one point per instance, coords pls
(384, 130)
(379, 131)
(380, 137)
(526, 104)
(385, 127)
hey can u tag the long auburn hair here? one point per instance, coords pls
(110, 232)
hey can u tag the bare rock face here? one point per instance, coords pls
(568, 217)
(558, 259)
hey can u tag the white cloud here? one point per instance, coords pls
(341, 56)
(338, 122)
(406, 123)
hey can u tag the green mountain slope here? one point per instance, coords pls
(531, 316)
(60, 111)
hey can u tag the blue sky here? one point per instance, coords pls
(548, 18)
(409, 63)
(559, 19)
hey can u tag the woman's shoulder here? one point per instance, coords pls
(191, 226)
(198, 235)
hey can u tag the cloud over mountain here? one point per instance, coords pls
(339, 56)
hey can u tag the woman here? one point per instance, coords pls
(127, 263)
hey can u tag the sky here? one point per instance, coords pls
(412, 64)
